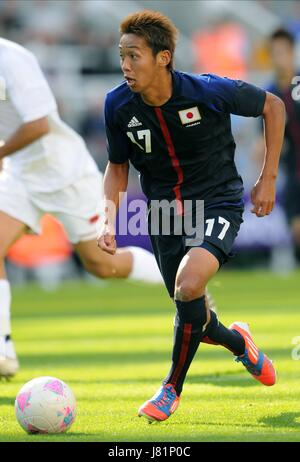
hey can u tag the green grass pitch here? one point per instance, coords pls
(111, 342)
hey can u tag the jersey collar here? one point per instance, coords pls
(175, 92)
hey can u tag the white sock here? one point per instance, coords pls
(144, 266)
(5, 299)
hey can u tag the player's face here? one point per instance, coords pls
(282, 55)
(138, 63)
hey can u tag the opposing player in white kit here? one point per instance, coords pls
(47, 169)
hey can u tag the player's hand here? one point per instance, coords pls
(106, 239)
(263, 197)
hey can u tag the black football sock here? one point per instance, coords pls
(297, 253)
(188, 332)
(218, 334)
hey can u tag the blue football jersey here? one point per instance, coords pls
(183, 149)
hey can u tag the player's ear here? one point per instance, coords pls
(164, 58)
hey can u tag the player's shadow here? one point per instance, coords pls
(59, 436)
(216, 424)
(223, 379)
(38, 437)
(285, 420)
(219, 380)
(5, 401)
(73, 358)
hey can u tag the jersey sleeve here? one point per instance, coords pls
(270, 88)
(233, 96)
(27, 87)
(118, 144)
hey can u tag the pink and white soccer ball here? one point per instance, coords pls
(45, 405)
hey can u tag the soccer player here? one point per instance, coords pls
(47, 168)
(174, 128)
(282, 52)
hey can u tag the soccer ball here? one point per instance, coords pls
(45, 405)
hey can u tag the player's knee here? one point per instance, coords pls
(296, 230)
(188, 289)
(296, 236)
(99, 269)
(3, 253)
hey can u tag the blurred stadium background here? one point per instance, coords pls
(111, 341)
(76, 45)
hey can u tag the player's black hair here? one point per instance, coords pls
(157, 29)
(282, 34)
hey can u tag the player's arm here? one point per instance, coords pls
(263, 194)
(241, 98)
(115, 185)
(32, 98)
(26, 134)
(115, 177)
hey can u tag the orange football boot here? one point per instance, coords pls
(161, 405)
(257, 363)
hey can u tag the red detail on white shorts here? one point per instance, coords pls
(94, 219)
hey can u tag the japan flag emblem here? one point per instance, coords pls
(189, 116)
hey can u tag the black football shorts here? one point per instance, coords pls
(221, 227)
(291, 200)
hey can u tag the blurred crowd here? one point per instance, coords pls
(76, 45)
(60, 23)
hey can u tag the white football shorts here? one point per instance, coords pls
(77, 206)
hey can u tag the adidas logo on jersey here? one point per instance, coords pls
(134, 123)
